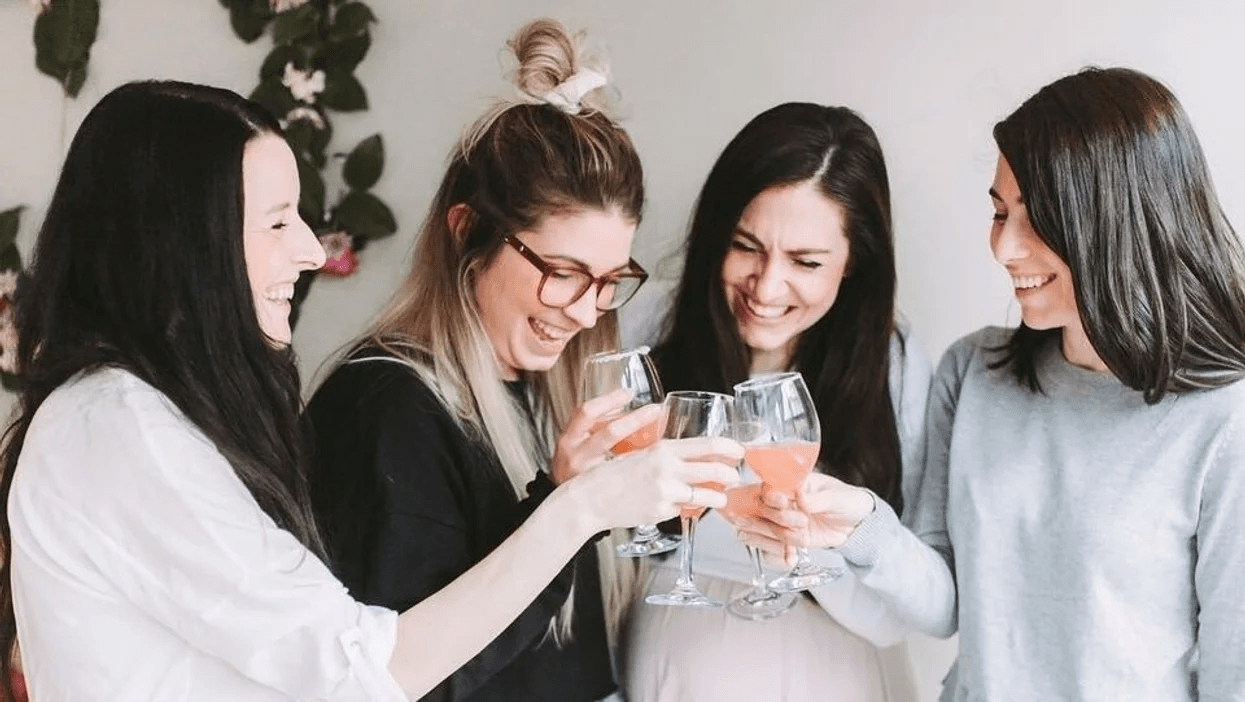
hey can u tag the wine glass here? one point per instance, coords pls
(631, 369)
(761, 602)
(785, 454)
(692, 414)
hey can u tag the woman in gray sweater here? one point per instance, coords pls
(1085, 472)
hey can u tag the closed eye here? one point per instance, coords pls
(805, 263)
(741, 245)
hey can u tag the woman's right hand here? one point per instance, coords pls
(648, 486)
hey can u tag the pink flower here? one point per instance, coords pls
(279, 6)
(340, 258)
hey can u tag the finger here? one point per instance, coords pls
(701, 446)
(699, 496)
(759, 527)
(785, 518)
(694, 472)
(776, 500)
(774, 550)
(616, 429)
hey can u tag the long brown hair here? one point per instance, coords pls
(1115, 183)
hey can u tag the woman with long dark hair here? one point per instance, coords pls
(790, 266)
(1086, 470)
(158, 537)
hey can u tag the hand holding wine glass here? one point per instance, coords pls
(694, 414)
(596, 427)
(785, 454)
(633, 371)
(823, 514)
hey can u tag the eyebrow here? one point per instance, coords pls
(581, 264)
(278, 208)
(793, 252)
(995, 194)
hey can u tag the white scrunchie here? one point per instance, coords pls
(568, 93)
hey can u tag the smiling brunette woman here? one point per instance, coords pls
(1085, 471)
(792, 255)
(454, 417)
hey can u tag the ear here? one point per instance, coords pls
(458, 219)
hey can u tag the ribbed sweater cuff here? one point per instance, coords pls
(864, 547)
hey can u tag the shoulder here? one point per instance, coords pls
(101, 401)
(977, 349)
(372, 380)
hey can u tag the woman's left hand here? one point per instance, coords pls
(593, 430)
(824, 514)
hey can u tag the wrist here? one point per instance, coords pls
(576, 516)
(864, 503)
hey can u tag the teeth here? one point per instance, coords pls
(1030, 281)
(280, 293)
(553, 333)
(765, 311)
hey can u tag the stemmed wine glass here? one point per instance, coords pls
(785, 454)
(761, 602)
(631, 369)
(692, 414)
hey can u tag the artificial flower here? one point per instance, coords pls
(303, 85)
(339, 255)
(302, 113)
(280, 6)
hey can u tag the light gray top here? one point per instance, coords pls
(1098, 542)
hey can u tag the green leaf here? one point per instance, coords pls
(274, 97)
(10, 222)
(346, 53)
(365, 163)
(10, 258)
(350, 20)
(311, 202)
(319, 142)
(63, 37)
(249, 19)
(363, 214)
(273, 67)
(343, 92)
(295, 24)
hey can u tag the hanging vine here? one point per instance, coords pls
(308, 75)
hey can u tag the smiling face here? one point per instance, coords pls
(278, 244)
(782, 272)
(525, 334)
(1041, 280)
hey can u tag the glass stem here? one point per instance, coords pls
(685, 557)
(802, 561)
(759, 585)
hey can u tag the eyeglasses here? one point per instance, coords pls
(562, 286)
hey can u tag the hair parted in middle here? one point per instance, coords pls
(844, 356)
(1114, 181)
(520, 163)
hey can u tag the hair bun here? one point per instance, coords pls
(551, 68)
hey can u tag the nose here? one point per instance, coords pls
(584, 310)
(1009, 242)
(306, 250)
(768, 280)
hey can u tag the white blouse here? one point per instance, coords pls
(144, 570)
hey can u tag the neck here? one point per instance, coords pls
(1079, 352)
(770, 361)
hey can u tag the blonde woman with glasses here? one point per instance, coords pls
(454, 416)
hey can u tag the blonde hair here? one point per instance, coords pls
(519, 163)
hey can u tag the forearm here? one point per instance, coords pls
(482, 602)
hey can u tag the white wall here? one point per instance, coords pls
(932, 76)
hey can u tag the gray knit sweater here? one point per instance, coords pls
(1098, 542)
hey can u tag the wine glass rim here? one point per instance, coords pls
(621, 353)
(697, 395)
(767, 379)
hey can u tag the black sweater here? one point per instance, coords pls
(408, 502)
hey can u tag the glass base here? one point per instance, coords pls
(801, 579)
(658, 544)
(759, 605)
(683, 597)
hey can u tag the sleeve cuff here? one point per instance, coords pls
(864, 547)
